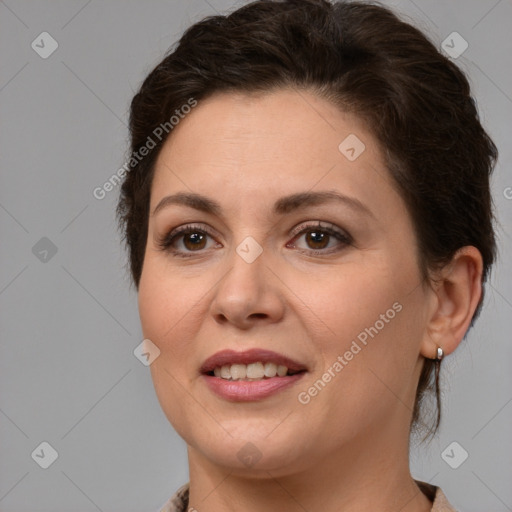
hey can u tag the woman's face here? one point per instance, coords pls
(343, 300)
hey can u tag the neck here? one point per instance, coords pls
(368, 474)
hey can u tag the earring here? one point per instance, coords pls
(440, 355)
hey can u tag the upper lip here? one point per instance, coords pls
(253, 355)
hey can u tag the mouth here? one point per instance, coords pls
(251, 372)
(254, 364)
(250, 375)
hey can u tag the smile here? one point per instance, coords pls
(251, 372)
(250, 375)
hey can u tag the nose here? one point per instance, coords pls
(249, 294)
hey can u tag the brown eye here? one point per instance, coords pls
(320, 239)
(186, 241)
(194, 240)
(317, 239)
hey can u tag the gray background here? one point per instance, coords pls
(69, 324)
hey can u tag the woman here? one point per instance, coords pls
(309, 225)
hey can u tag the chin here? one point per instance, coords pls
(250, 452)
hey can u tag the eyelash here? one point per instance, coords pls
(166, 242)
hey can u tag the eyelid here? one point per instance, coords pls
(344, 238)
(319, 224)
(166, 241)
(189, 227)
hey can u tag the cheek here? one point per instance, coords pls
(349, 300)
(166, 301)
(172, 309)
(166, 309)
(372, 318)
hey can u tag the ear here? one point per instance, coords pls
(456, 293)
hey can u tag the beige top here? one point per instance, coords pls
(179, 502)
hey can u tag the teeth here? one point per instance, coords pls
(270, 370)
(282, 370)
(225, 372)
(252, 371)
(238, 371)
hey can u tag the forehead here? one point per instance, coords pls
(253, 121)
(239, 145)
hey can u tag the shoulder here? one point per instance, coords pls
(178, 502)
(441, 503)
(435, 494)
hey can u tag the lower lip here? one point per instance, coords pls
(250, 391)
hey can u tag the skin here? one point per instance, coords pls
(347, 449)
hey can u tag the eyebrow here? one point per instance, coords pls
(282, 206)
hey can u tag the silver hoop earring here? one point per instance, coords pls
(440, 354)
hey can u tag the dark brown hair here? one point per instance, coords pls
(363, 59)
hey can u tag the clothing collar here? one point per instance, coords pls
(179, 501)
